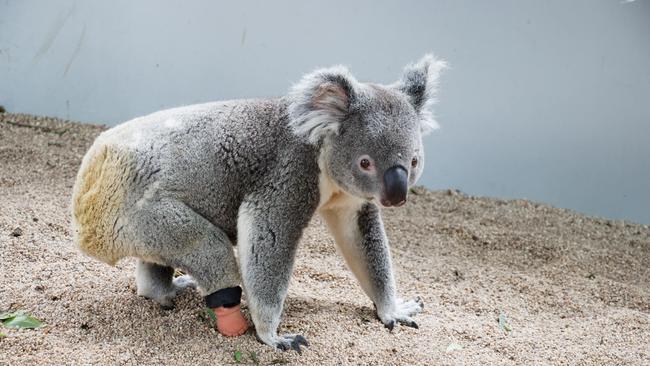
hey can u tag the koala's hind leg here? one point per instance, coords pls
(172, 233)
(213, 265)
(156, 282)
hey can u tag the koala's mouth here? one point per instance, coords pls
(387, 203)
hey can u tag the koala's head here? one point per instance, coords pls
(370, 136)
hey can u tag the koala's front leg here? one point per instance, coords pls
(267, 241)
(359, 234)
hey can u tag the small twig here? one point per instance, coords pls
(41, 128)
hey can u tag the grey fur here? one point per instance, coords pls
(178, 188)
(156, 282)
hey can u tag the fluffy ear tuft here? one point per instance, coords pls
(419, 82)
(320, 101)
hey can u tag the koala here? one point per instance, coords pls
(224, 190)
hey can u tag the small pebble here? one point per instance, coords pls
(17, 232)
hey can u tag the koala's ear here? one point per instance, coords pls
(320, 101)
(419, 82)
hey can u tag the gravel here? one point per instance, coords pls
(573, 289)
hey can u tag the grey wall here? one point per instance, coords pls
(547, 100)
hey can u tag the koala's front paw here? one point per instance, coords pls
(401, 312)
(291, 341)
(286, 342)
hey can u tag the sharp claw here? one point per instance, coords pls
(390, 325)
(296, 347)
(412, 324)
(302, 340)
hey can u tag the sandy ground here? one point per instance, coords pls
(575, 289)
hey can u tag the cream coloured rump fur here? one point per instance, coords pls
(98, 198)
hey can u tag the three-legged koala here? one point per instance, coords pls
(184, 188)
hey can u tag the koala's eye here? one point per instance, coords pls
(364, 164)
(414, 162)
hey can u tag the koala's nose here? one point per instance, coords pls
(395, 186)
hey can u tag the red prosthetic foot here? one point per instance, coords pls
(230, 321)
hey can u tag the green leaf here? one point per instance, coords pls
(504, 325)
(211, 315)
(237, 355)
(2, 335)
(254, 357)
(7, 315)
(454, 347)
(22, 320)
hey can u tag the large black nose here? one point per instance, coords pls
(395, 186)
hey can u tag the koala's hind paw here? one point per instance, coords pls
(164, 294)
(184, 281)
(401, 313)
(291, 341)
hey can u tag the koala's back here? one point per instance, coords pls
(207, 156)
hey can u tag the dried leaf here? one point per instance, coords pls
(279, 361)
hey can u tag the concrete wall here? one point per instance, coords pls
(547, 100)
